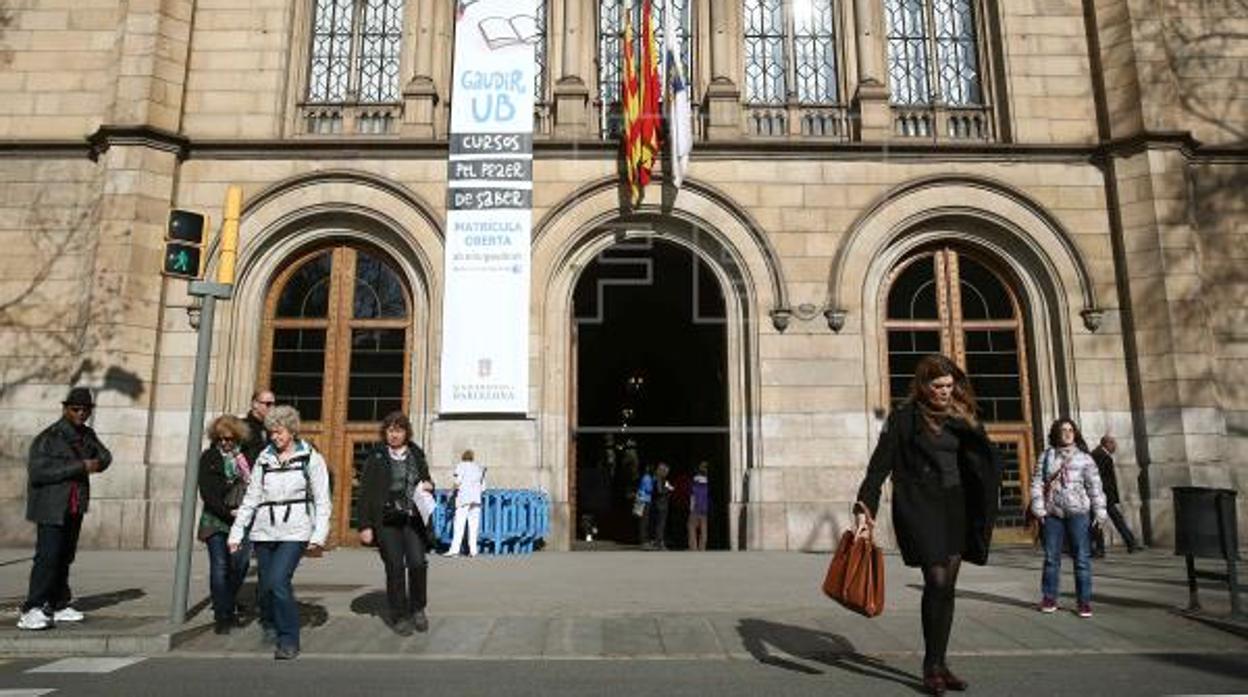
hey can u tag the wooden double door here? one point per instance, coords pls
(336, 346)
(955, 301)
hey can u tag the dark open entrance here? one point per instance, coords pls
(649, 335)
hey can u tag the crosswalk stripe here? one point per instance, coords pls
(28, 692)
(86, 665)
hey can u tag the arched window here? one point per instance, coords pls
(936, 68)
(951, 301)
(353, 66)
(668, 14)
(336, 347)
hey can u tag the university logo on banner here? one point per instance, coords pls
(485, 307)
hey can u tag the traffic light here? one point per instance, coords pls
(184, 236)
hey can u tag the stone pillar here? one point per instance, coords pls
(723, 97)
(420, 95)
(571, 94)
(869, 105)
(1180, 424)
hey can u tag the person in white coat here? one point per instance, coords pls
(469, 485)
(287, 508)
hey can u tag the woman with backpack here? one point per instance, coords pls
(1065, 491)
(287, 507)
(223, 476)
(395, 473)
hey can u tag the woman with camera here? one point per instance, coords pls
(395, 475)
(223, 475)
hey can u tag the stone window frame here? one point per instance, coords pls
(352, 119)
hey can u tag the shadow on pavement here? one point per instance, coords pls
(763, 638)
(98, 601)
(372, 603)
(1029, 604)
(1229, 665)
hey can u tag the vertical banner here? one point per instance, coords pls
(485, 308)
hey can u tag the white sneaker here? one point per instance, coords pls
(68, 614)
(450, 554)
(34, 618)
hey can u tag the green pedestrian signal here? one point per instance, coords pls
(182, 260)
(183, 236)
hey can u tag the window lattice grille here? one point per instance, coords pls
(933, 52)
(356, 48)
(764, 52)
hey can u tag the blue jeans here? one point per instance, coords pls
(277, 597)
(225, 575)
(1056, 532)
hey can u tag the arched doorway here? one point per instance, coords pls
(952, 300)
(336, 345)
(649, 345)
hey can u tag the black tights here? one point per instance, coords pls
(939, 581)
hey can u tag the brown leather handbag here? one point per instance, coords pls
(855, 577)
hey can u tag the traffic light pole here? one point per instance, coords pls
(209, 292)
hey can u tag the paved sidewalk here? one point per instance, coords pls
(582, 605)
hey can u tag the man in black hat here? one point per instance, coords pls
(58, 489)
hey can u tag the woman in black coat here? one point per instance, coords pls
(389, 518)
(946, 481)
(223, 475)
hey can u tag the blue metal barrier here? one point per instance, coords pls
(512, 520)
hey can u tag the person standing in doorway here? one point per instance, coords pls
(946, 483)
(699, 507)
(1103, 455)
(641, 506)
(389, 518)
(660, 503)
(1065, 491)
(58, 490)
(287, 508)
(257, 434)
(469, 486)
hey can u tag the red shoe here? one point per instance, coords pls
(934, 684)
(1048, 605)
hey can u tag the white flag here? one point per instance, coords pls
(679, 114)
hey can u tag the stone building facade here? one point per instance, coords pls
(1050, 190)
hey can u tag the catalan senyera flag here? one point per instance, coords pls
(630, 99)
(651, 118)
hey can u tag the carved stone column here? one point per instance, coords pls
(420, 96)
(873, 120)
(723, 98)
(571, 94)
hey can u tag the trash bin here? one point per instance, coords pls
(1205, 525)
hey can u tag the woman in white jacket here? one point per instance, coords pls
(287, 508)
(1065, 491)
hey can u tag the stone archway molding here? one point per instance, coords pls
(696, 201)
(589, 220)
(317, 208)
(1003, 207)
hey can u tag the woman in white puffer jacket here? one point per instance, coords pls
(287, 508)
(1066, 495)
